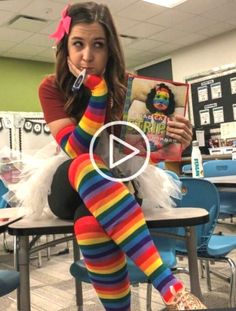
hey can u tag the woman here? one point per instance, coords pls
(109, 223)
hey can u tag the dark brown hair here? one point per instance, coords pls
(90, 12)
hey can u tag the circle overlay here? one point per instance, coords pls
(123, 179)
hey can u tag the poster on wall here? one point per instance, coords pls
(234, 111)
(204, 116)
(32, 132)
(202, 94)
(216, 91)
(233, 85)
(218, 114)
(228, 130)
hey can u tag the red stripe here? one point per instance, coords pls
(64, 131)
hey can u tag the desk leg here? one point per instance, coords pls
(23, 265)
(191, 244)
(78, 285)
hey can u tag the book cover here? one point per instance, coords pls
(149, 103)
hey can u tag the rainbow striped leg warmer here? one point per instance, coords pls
(75, 140)
(122, 219)
(106, 264)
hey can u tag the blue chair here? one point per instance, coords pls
(217, 168)
(210, 247)
(187, 169)
(9, 281)
(3, 190)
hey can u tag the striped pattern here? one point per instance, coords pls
(75, 140)
(106, 264)
(122, 219)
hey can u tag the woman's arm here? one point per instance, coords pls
(180, 128)
(75, 139)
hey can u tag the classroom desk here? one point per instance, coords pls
(7, 216)
(156, 218)
(228, 181)
(25, 228)
(177, 166)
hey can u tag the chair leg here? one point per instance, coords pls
(208, 275)
(232, 282)
(149, 297)
(78, 284)
(202, 268)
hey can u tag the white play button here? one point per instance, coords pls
(125, 158)
(113, 138)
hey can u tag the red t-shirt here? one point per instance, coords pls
(53, 101)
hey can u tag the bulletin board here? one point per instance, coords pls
(212, 100)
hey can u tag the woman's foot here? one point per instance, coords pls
(184, 300)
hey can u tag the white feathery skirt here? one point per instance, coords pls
(154, 185)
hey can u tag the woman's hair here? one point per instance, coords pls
(90, 12)
(150, 97)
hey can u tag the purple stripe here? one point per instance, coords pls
(142, 243)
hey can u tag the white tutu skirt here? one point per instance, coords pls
(153, 185)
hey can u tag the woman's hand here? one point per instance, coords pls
(72, 68)
(180, 128)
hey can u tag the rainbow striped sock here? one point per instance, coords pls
(106, 264)
(122, 219)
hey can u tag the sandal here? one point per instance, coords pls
(184, 300)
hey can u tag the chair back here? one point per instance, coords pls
(3, 190)
(197, 192)
(216, 168)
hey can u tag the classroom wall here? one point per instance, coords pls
(201, 57)
(19, 81)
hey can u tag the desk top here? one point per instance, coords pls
(8, 216)
(209, 157)
(185, 216)
(155, 218)
(223, 180)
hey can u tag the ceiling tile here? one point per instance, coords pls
(13, 35)
(190, 39)
(6, 45)
(222, 13)
(14, 5)
(168, 35)
(25, 49)
(5, 16)
(39, 39)
(200, 6)
(195, 24)
(145, 44)
(143, 30)
(217, 29)
(170, 18)
(123, 23)
(46, 9)
(141, 11)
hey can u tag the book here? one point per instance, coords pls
(149, 103)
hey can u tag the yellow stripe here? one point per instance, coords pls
(98, 270)
(112, 295)
(127, 233)
(100, 89)
(153, 267)
(70, 151)
(106, 206)
(92, 241)
(86, 170)
(89, 126)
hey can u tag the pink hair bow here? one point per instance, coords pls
(63, 27)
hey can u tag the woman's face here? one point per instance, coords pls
(161, 99)
(88, 48)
